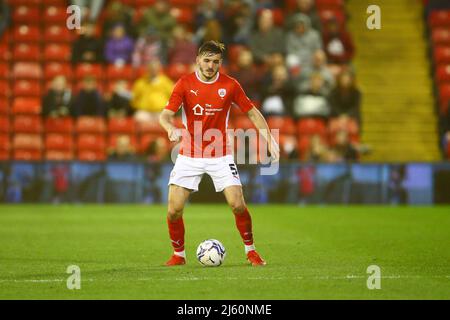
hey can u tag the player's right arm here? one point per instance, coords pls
(166, 117)
(166, 121)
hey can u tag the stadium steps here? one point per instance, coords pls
(392, 67)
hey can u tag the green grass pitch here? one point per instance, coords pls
(312, 253)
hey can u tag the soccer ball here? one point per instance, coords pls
(211, 253)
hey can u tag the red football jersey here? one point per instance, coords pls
(205, 110)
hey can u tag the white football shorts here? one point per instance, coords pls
(188, 172)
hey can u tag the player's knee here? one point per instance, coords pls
(238, 207)
(174, 213)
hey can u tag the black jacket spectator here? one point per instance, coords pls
(88, 102)
(58, 100)
(345, 99)
(87, 48)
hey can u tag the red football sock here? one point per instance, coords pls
(176, 232)
(244, 225)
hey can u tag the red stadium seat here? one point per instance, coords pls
(58, 155)
(4, 71)
(114, 72)
(26, 106)
(91, 142)
(55, 15)
(54, 69)
(87, 124)
(304, 143)
(5, 91)
(29, 3)
(4, 106)
(27, 124)
(5, 146)
(440, 36)
(56, 33)
(26, 33)
(329, 4)
(444, 95)
(146, 139)
(183, 15)
(27, 88)
(310, 126)
(87, 69)
(91, 155)
(122, 125)
(5, 53)
(4, 124)
(448, 149)
(59, 125)
(27, 141)
(442, 54)
(58, 141)
(285, 125)
(328, 14)
(443, 73)
(347, 124)
(26, 14)
(243, 122)
(27, 70)
(27, 155)
(57, 52)
(26, 52)
(150, 127)
(439, 18)
(177, 70)
(184, 3)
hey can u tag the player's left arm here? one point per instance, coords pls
(258, 120)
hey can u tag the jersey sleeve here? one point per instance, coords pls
(241, 99)
(176, 98)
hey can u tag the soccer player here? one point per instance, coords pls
(205, 97)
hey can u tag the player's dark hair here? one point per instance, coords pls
(211, 47)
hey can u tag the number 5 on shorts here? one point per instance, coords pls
(233, 169)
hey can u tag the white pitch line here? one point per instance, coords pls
(347, 277)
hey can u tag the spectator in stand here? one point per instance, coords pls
(58, 100)
(150, 93)
(277, 93)
(207, 10)
(319, 65)
(267, 43)
(344, 150)
(337, 43)
(4, 16)
(211, 31)
(318, 150)
(148, 48)
(90, 9)
(248, 75)
(157, 150)
(314, 101)
(87, 48)
(88, 102)
(118, 13)
(118, 103)
(182, 50)
(119, 47)
(123, 150)
(308, 8)
(158, 16)
(302, 41)
(239, 20)
(345, 98)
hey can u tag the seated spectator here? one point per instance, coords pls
(267, 43)
(90, 9)
(211, 31)
(148, 48)
(88, 102)
(318, 150)
(150, 93)
(308, 8)
(238, 23)
(118, 13)
(207, 10)
(277, 93)
(302, 41)
(157, 150)
(158, 16)
(119, 46)
(4, 16)
(58, 100)
(337, 43)
(319, 65)
(182, 50)
(123, 150)
(344, 150)
(247, 75)
(118, 104)
(314, 101)
(345, 98)
(87, 47)
(289, 149)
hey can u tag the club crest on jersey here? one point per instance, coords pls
(222, 92)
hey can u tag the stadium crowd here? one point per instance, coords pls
(293, 59)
